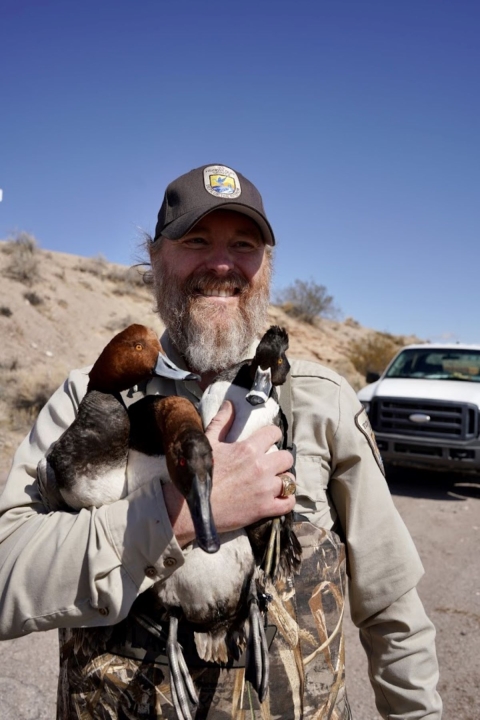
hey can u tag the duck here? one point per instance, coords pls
(109, 450)
(222, 598)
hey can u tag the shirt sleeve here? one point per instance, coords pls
(402, 663)
(383, 563)
(75, 569)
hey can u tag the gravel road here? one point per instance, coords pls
(443, 516)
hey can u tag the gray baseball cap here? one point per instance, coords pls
(210, 187)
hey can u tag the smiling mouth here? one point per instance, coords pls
(219, 293)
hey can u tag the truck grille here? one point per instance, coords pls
(456, 421)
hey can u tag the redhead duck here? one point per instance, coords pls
(89, 461)
(222, 597)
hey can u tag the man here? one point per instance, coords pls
(211, 262)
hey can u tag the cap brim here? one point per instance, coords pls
(179, 227)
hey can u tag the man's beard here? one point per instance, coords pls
(212, 336)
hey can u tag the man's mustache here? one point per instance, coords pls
(208, 282)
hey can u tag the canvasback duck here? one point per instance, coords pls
(110, 449)
(222, 597)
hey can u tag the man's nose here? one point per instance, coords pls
(220, 261)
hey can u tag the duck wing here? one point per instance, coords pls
(89, 459)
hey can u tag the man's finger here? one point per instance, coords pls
(219, 426)
(263, 438)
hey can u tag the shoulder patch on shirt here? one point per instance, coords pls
(363, 424)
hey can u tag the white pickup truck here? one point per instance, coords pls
(424, 409)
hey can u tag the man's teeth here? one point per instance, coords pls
(218, 293)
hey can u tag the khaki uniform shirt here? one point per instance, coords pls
(85, 569)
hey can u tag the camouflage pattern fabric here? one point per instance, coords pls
(307, 673)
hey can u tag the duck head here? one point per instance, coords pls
(270, 365)
(131, 357)
(192, 472)
(189, 458)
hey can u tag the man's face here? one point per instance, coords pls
(212, 289)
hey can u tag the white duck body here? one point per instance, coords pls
(248, 418)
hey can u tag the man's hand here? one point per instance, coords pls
(246, 486)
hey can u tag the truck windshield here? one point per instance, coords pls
(437, 364)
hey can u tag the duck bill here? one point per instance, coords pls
(166, 368)
(261, 388)
(201, 511)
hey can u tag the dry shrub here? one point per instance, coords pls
(373, 353)
(116, 324)
(128, 279)
(307, 301)
(5, 311)
(33, 298)
(344, 367)
(25, 394)
(96, 266)
(24, 258)
(351, 322)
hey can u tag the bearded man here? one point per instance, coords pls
(84, 572)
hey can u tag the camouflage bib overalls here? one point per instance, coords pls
(120, 673)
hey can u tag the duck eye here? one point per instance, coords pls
(139, 346)
(279, 361)
(182, 462)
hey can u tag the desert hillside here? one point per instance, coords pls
(57, 311)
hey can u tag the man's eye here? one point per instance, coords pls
(246, 246)
(195, 241)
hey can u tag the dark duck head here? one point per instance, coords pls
(270, 365)
(171, 426)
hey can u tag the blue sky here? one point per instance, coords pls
(357, 119)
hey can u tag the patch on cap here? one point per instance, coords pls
(221, 181)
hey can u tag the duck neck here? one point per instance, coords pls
(207, 379)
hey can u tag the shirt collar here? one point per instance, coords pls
(190, 388)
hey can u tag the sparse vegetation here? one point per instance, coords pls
(24, 258)
(116, 324)
(24, 394)
(96, 266)
(5, 311)
(307, 301)
(33, 298)
(128, 279)
(32, 402)
(373, 353)
(351, 322)
(9, 365)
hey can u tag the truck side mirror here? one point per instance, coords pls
(372, 376)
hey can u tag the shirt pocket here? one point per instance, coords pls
(312, 490)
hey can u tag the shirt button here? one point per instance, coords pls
(150, 571)
(169, 562)
(103, 611)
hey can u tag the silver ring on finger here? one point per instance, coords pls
(289, 486)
